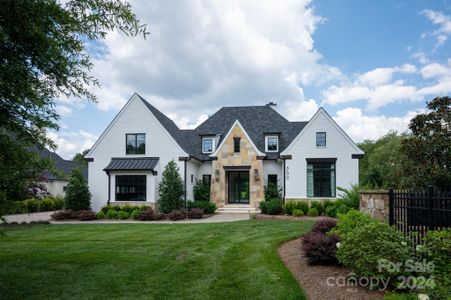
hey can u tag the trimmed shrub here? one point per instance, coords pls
(272, 191)
(100, 215)
(177, 214)
(201, 191)
(298, 212)
(331, 211)
(366, 242)
(312, 212)
(207, 206)
(271, 207)
(127, 208)
(288, 207)
(86, 215)
(196, 213)
(123, 215)
(170, 189)
(324, 226)
(111, 214)
(318, 205)
(146, 215)
(320, 248)
(135, 213)
(46, 204)
(62, 215)
(303, 205)
(30, 205)
(77, 196)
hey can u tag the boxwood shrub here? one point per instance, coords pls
(112, 214)
(123, 215)
(208, 206)
(312, 212)
(298, 212)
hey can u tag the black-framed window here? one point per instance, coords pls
(208, 145)
(135, 143)
(272, 178)
(206, 178)
(131, 188)
(321, 179)
(272, 143)
(236, 145)
(321, 139)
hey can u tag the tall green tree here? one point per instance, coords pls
(383, 163)
(80, 158)
(171, 189)
(43, 57)
(77, 195)
(429, 146)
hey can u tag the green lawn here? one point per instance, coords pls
(190, 261)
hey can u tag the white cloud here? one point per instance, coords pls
(301, 111)
(361, 127)
(202, 55)
(71, 142)
(444, 22)
(63, 110)
(379, 88)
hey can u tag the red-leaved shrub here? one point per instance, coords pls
(320, 248)
(177, 214)
(324, 225)
(64, 215)
(86, 215)
(196, 213)
(146, 215)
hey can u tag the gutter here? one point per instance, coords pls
(109, 187)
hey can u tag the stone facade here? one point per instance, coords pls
(375, 203)
(227, 158)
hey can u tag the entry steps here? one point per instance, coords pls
(237, 209)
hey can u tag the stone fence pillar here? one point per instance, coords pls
(375, 203)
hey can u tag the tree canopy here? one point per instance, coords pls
(43, 57)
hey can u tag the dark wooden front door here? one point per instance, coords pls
(239, 187)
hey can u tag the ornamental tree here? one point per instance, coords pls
(77, 195)
(171, 189)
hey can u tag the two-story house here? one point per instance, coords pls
(236, 151)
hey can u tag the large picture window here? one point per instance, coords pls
(321, 179)
(131, 188)
(136, 143)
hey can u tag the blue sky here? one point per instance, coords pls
(371, 64)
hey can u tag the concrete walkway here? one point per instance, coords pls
(45, 216)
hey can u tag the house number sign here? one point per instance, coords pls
(287, 173)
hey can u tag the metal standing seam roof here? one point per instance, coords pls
(132, 164)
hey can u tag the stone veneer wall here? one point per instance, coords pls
(375, 203)
(246, 157)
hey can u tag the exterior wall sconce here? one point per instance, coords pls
(217, 175)
(256, 175)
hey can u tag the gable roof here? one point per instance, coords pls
(322, 111)
(257, 121)
(62, 165)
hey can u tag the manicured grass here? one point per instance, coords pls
(190, 261)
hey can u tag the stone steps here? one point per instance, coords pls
(237, 209)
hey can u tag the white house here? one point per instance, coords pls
(237, 151)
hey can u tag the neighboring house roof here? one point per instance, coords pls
(258, 121)
(132, 164)
(62, 165)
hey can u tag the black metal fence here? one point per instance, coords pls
(414, 212)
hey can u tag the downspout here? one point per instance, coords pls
(109, 187)
(284, 181)
(184, 194)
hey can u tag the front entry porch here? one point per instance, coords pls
(238, 187)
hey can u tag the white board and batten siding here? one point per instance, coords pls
(135, 117)
(338, 145)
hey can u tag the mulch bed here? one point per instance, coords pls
(313, 279)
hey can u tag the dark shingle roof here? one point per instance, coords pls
(63, 166)
(256, 120)
(132, 164)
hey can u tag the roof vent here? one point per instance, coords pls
(271, 104)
